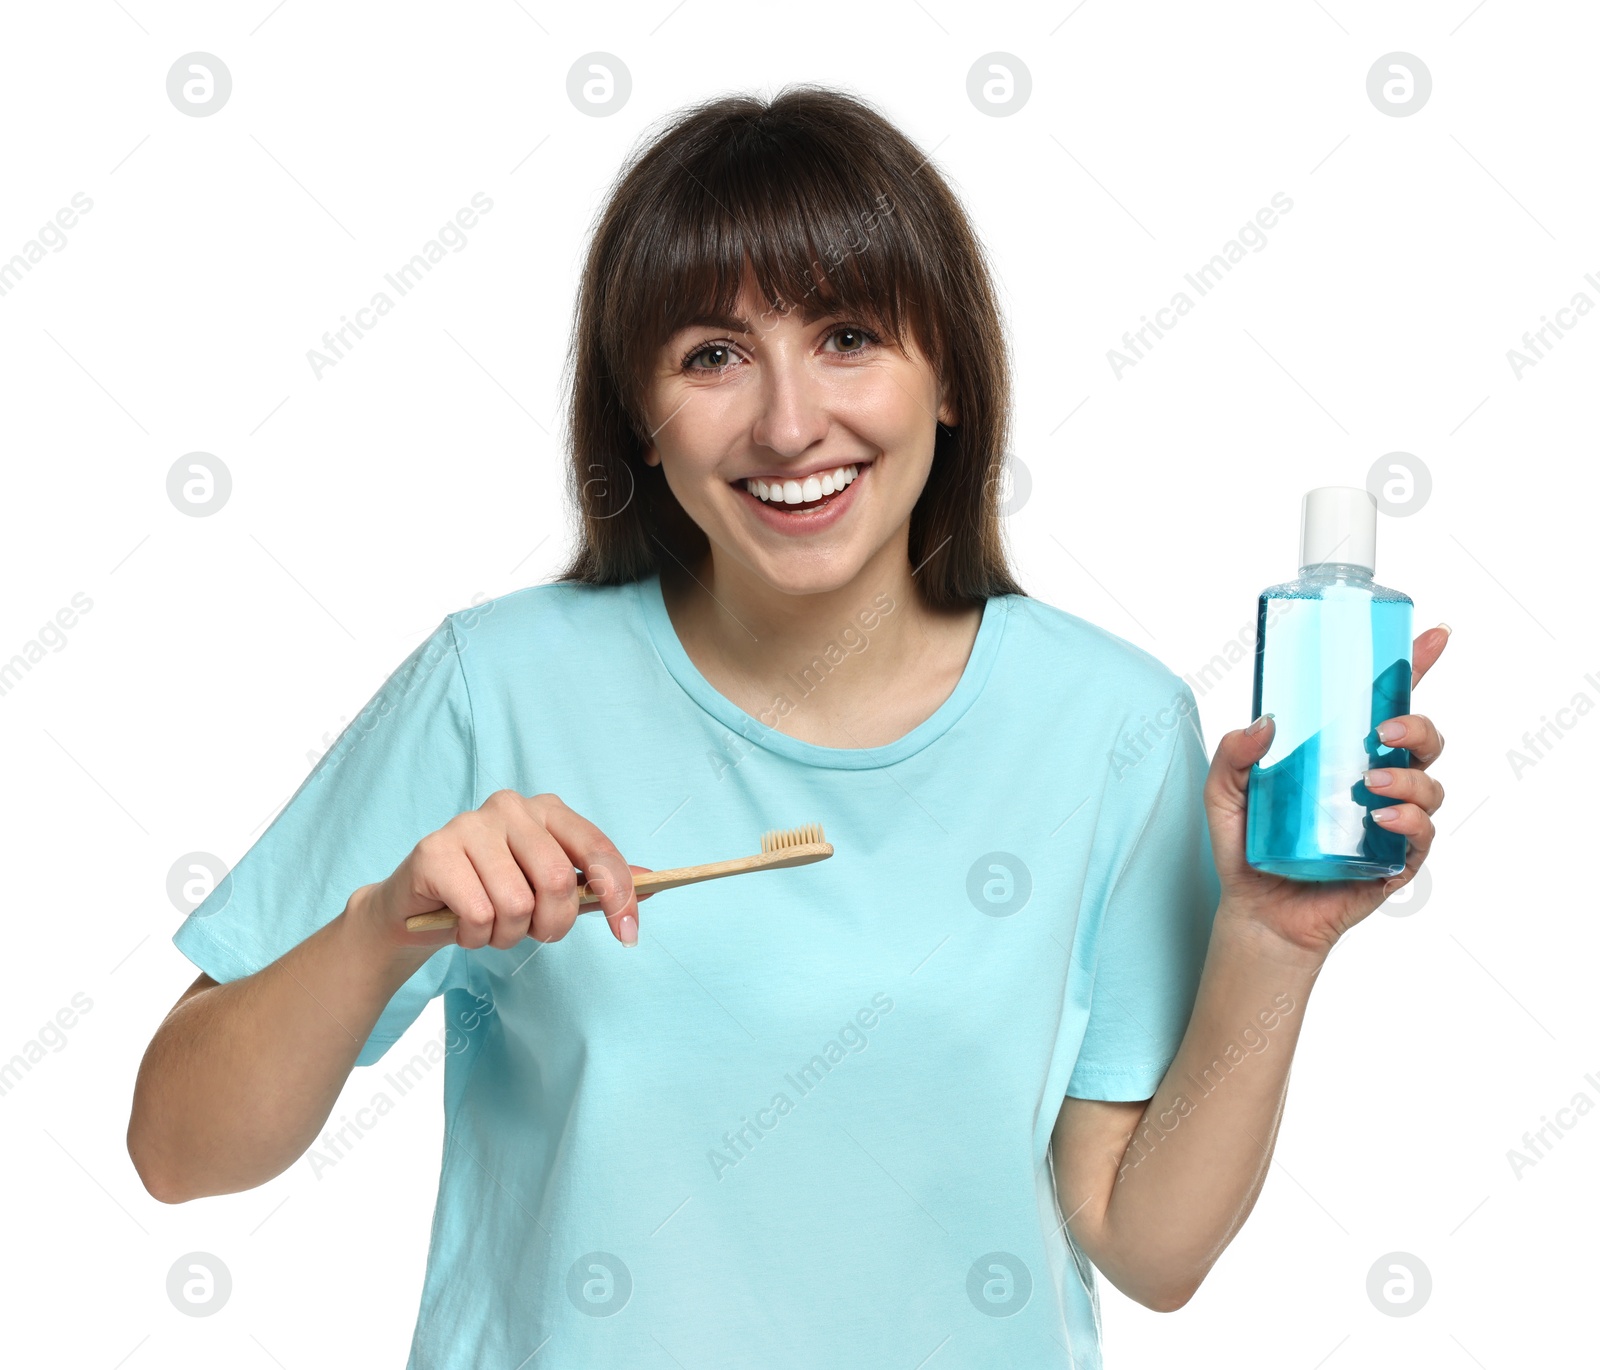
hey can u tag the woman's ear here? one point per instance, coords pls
(948, 415)
(652, 457)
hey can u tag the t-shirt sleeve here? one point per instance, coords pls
(1153, 934)
(404, 766)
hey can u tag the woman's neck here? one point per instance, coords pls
(856, 666)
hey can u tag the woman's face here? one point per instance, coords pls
(796, 404)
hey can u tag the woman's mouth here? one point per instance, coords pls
(809, 493)
(804, 505)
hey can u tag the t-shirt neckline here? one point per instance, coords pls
(653, 609)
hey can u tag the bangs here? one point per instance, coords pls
(817, 226)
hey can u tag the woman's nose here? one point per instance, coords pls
(793, 412)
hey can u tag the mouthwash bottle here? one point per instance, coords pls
(1333, 660)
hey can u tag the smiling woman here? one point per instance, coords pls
(788, 417)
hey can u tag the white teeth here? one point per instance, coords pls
(814, 487)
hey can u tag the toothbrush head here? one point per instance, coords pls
(782, 839)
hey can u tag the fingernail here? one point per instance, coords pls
(1258, 724)
(1390, 731)
(1377, 780)
(1385, 815)
(1445, 626)
(629, 927)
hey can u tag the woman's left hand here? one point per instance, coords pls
(1313, 915)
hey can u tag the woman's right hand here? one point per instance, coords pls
(506, 870)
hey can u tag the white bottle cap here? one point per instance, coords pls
(1338, 523)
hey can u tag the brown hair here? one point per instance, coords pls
(778, 186)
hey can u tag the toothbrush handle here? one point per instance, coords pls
(650, 881)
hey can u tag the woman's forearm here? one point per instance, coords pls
(1199, 1155)
(240, 1078)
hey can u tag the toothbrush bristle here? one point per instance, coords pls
(780, 838)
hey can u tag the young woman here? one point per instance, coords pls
(1034, 1014)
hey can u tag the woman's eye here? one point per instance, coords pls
(852, 339)
(719, 353)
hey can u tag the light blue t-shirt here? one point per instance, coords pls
(806, 1122)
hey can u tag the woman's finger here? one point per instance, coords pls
(488, 848)
(1229, 777)
(550, 872)
(1416, 733)
(1426, 649)
(1413, 822)
(603, 866)
(1407, 785)
(442, 871)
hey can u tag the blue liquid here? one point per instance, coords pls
(1333, 660)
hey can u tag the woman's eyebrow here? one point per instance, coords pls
(731, 322)
(809, 312)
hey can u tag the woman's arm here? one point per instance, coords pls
(240, 1077)
(1154, 1192)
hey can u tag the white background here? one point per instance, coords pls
(222, 653)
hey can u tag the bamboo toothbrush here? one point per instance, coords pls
(779, 848)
